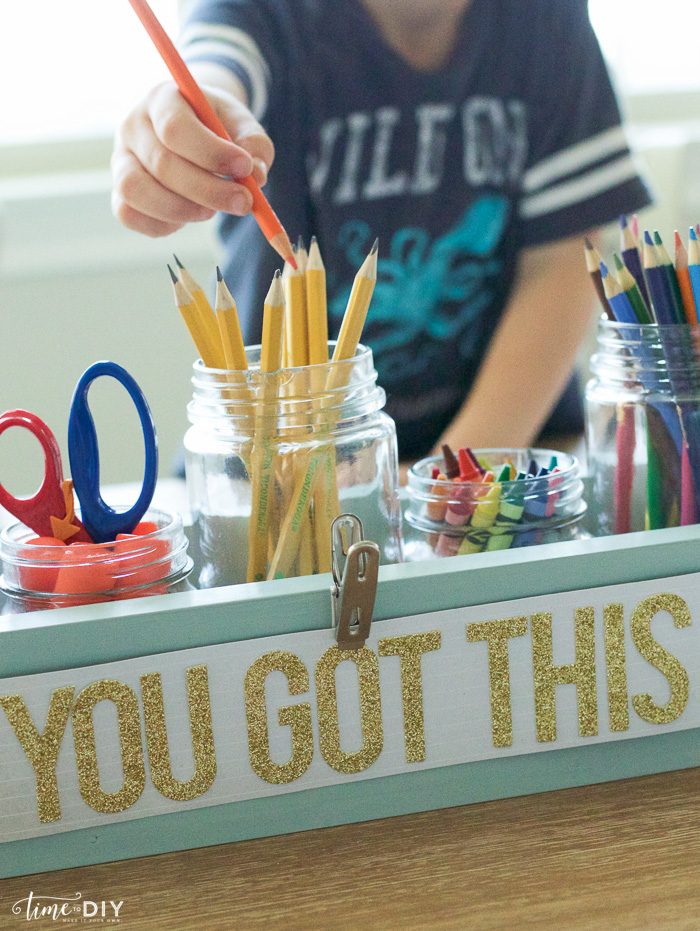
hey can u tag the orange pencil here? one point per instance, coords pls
(265, 216)
(683, 276)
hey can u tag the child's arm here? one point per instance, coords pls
(533, 350)
(168, 169)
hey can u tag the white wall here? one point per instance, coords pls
(75, 288)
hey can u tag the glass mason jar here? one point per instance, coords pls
(643, 426)
(451, 518)
(272, 458)
(36, 577)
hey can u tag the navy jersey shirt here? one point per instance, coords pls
(514, 142)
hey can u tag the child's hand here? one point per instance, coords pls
(168, 169)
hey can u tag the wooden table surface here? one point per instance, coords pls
(622, 855)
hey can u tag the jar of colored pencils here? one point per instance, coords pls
(272, 457)
(42, 572)
(643, 426)
(513, 498)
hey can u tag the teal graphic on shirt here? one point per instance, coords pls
(428, 290)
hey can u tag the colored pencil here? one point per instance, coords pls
(631, 289)
(658, 282)
(629, 247)
(619, 301)
(593, 261)
(625, 440)
(694, 265)
(667, 264)
(683, 275)
(264, 215)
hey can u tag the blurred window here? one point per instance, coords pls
(651, 47)
(73, 68)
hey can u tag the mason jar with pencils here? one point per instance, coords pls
(273, 457)
(643, 425)
(495, 499)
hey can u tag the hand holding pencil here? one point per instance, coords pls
(175, 159)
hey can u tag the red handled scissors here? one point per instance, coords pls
(49, 513)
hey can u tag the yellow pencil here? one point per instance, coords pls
(206, 315)
(296, 337)
(229, 326)
(316, 306)
(348, 340)
(263, 454)
(190, 314)
(325, 504)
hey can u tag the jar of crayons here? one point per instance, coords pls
(273, 456)
(643, 425)
(44, 572)
(491, 499)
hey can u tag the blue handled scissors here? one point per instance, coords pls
(101, 521)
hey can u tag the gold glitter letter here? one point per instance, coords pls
(497, 634)
(42, 749)
(548, 676)
(410, 648)
(129, 738)
(618, 699)
(370, 709)
(203, 750)
(296, 717)
(661, 659)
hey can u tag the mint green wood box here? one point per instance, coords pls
(69, 638)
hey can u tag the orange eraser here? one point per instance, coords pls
(41, 578)
(139, 561)
(140, 530)
(80, 575)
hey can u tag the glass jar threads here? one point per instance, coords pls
(643, 426)
(540, 501)
(272, 457)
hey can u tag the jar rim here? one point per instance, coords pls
(361, 352)
(572, 468)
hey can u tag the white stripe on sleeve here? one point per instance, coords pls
(574, 158)
(202, 40)
(572, 192)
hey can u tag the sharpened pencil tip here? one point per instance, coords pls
(300, 242)
(177, 261)
(313, 240)
(375, 246)
(278, 273)
(219, 276)
(172, 275)
(657, 238)
(623, 221)
(647, 238)
(619, 264)
(604, 270)
(588, 244)
(693, 235)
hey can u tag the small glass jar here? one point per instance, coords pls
(451, 518)
(293, 449)
(643, 426)
(36, 577)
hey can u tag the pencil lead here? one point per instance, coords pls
(588, 244)
(619, 264)
(677, 241)
(375, 247)
(623, 221)
(313, 240)
(647, 238)
(172, 275)
(693, 234)
(278, 273)
(657, 238)
(604, 270)
(219, 276)
(300, 242)
(177, 261)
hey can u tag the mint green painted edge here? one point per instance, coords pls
(68, 638)
(422, 790)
